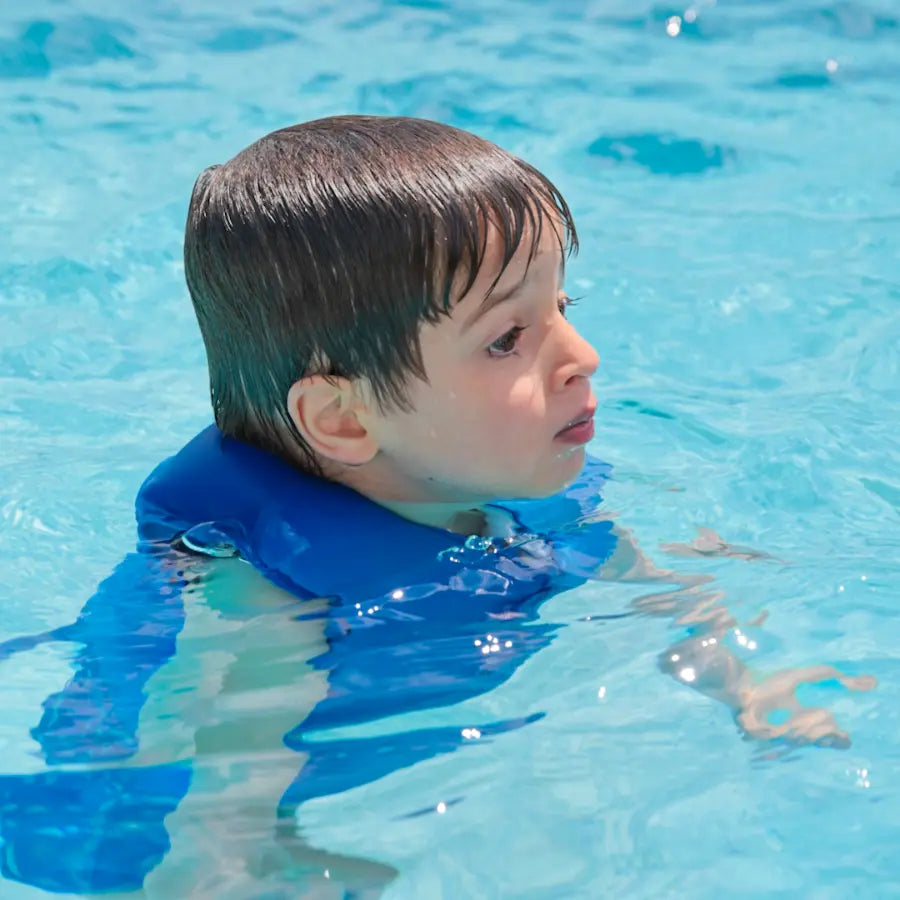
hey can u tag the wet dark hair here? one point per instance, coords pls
(323, 248)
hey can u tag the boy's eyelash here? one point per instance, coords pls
(565, 301)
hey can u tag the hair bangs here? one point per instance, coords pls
(516, 208)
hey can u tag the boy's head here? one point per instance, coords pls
(380, 300)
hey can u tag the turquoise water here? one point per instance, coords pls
(734, 176)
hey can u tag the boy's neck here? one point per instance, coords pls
(381, 485)
(460, 518)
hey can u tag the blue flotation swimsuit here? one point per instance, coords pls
(396, 587)
(406, 606)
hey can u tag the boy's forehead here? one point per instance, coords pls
(493, 276)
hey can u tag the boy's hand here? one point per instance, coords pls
(703, 660)
(705, 664)
(805, 724)
(708, 543)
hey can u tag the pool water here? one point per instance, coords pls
(733, 171)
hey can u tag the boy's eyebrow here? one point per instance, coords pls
(495, 299)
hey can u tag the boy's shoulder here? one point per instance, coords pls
(311, 536)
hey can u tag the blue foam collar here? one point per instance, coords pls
(311, 536)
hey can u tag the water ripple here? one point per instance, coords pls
(241, 40)
(44, 46)
(663, 154)
(733, 172)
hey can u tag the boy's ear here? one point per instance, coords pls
(326, 413)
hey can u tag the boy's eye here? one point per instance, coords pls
(505, 345)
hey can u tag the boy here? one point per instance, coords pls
(382, 306)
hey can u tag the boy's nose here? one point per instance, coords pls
(577, 358)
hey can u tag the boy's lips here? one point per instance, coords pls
(579, 430)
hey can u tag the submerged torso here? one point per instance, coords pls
(376, 617)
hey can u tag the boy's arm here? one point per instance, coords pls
(86, 823)
(169, 746)
(704, 662)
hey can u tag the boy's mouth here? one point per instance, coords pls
(580, 430)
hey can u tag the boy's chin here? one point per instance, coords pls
(575, 462)
(560, 478)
